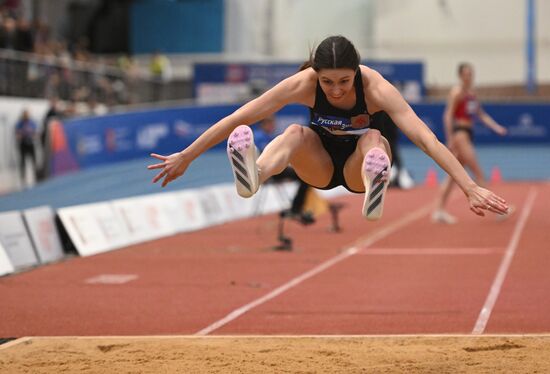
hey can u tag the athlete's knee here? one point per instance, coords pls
(295, 133)
(373, 138)
(294, 130)
(370, 138)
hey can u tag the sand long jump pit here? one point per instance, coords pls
(278, 354)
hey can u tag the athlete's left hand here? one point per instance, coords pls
(501, 130)
(482, 199)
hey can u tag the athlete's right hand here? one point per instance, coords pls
(173, 166)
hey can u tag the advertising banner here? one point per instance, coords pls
(94, 141)
(526, 123)
(230, 82)
(5, 264)
(15, 240)
(192, 214)
(146, 217)
(94, 228)
(41, 225)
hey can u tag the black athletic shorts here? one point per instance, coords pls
(339, 148)
(466, 129)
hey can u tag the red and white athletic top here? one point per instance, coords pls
(466, 108)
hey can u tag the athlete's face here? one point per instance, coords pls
(467, 76)
(336, 83)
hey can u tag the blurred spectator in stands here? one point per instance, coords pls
(54, 112)
(7, 33)
(41, 35)
(160, 67)
(24, 38)
(96, 108)
(131, 75)
(161, 72)
(69, 73)
(51, 87)
(70, 109)
(25, 134)
(11, 6)
(124, 62)
(59, 84)
(80, 50)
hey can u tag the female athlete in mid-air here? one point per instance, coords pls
(339, 147)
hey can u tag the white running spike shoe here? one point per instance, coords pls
(242, 153)
(375, 173)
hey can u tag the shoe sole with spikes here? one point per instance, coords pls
(242, 154)
(375, 173)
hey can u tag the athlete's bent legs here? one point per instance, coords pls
(368, 169)
(352, 168)
(300, 147)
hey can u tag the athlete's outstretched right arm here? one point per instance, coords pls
(175, 165)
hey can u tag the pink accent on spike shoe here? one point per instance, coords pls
(375, 173)
(242, 155)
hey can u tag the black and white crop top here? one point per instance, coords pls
(336, 121)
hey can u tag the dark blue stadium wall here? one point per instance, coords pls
(183, 26)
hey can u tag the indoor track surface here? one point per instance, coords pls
(470, 296)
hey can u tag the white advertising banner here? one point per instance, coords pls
(192, 214)
(15, 240)
(211, 205)
(134, 217)
(169, 206)
(160, 212)
(5, 264)
(94, 228)
(41, 225)
(234, 206)
(145, 217)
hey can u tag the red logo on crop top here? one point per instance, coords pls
(360, 121)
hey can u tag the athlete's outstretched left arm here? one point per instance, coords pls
(386, 97)
(491, 123)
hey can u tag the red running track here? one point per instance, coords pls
(400, 275)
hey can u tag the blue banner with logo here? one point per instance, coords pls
(94, 141)
(119, 137)
(526, 123)
(234, 79)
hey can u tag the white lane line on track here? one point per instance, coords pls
(111, 279)
(430, 251)
(385, 231)
(492, 297)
